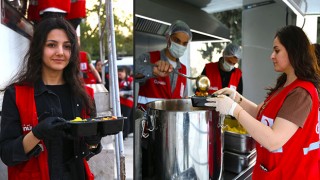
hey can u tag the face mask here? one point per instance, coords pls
(177, 50)
(226, 66)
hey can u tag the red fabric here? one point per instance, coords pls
(37, 167)
(84, 67)
(283, 164)
(77, 10)
(59, 4)
(35, 6)
(212, 72)
(89, 174)
(160, 87)
(90, 91)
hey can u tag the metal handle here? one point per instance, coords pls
(189, 77)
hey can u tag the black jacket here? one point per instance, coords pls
(64, 154)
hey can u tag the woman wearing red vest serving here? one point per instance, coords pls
(285, 125)
(45, 93)
(153, 69)
(223, 73)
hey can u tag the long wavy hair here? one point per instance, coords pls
(31, 67)
(301, 55)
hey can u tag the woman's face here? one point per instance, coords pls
(121, 74)
(56, 52)
(99, 66)
(280, 57)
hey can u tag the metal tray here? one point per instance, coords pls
(236, 163)
(94, 126)
(239, 143)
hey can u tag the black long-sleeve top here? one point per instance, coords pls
(65, 156)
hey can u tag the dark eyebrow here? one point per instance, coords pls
(57, 41)
(51, 40)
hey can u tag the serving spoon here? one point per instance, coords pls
(202, 81)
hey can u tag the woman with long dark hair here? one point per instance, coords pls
(285, 126)
(42, 97)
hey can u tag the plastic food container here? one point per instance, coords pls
(110, 127)
(236, 163)
(199, 101)
(96, 126)
(239, 143)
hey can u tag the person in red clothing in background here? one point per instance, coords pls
(98, 65)
(153, 72)
(72, 10)
(153, 69)
(39, 9)
(224, 73)
(77, 12)
(88, 72)
(126, 98)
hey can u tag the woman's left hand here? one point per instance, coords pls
(222, 103)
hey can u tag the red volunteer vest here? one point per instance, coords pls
(84, 67)
(126, 101)
(35, 6)
(59, 4)
(160, 87)
(37, 167)
(301, 150)
(212, 72)
(77, 10)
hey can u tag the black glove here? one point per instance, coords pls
(50, 128)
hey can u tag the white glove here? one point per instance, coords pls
(231, 92)
(223, 104)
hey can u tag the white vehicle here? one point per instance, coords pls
(15, 32)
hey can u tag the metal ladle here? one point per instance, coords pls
(202, 81)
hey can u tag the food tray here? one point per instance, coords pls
(239, 143)
(236, 163)
(199, 101)
(94, 126)
(110, 127)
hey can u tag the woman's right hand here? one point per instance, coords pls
(50, 128)
(228, 91)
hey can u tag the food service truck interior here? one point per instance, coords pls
(180, 140)
(234, 153)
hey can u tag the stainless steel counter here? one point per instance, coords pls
(243, 175)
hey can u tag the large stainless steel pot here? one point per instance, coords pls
(186, 141)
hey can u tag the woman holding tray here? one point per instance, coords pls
(42, 97)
